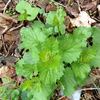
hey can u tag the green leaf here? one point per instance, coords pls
(88, 55)
(70, 47)
(74, 77)
(96, 61)
(33, 35)
(24, 95)
(27, 11)
(22, 6)
(51, 75)
(27, 84)
(96, 43)
(36, 90)
(32, 13)
(39, 31)
(96, 35)
(23, 16)
(8, 91)
(86, 31)
(47, 61)
(27, 38)
(81, 34)
(56, 19)
(26, 67)
(68, 81)
(25, 70)
(15, 94)
(50, 66)
(80, 71)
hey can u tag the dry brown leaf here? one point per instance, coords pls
(64, 98)
(68, 24)
(12, 36)
(7, 71)
(72, 11)
(50, 7)
(0, 44)
(98, 7)
(2, 5)
(3, 71)
(91, 5)
(82, 20)
(39, 3)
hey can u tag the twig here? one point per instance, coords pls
(87, 89)
(79, 8)
(69, 1)
(15, 28)
(9, 49)
(8, 17)
(56, 3)
(2, 38)
(6, 6)
(5, 29)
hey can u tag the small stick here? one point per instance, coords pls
(8, 17)
(87, 89)
(15, 28)
(5, 29)
(9, 49)
(2, 38)
(56, 3)
(6, 6)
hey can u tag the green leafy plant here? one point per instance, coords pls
(27, 12)
(9, 90)
(56, 20)
(53, 56)
(43, 66)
